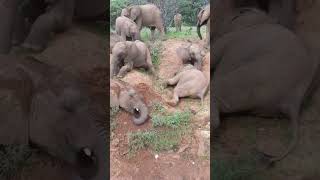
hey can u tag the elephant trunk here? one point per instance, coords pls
(140, 113)
(198, 30)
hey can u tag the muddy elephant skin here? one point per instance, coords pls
(126, 28)
(128, 55)
(190, 82)
(51, 110)
(124, 96)
(53, 17)
(242, 79)
(191, 54)
(148, 15)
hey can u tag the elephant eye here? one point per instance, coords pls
(136, 112)
(86, 157)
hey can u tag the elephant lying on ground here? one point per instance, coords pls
(177, 21)
(114, 38)
(55, 16)
(126, 28)
(124, 96)
(128, 55)
(49, 109)
(191, 54)
(190, 82)
(268, 75)
(203, 18)
(148, 15)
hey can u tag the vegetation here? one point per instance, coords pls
(166, 134)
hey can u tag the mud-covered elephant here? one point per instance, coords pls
(177, 18)
(54, 16)
(190, 82)
(191, 54)
(203, 18)
(127, 29)
(270, 74)
(128, 55)
(125, 96)
(53, 111)
(148, 15)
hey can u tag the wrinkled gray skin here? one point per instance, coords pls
(268, 75)
(177, 21)
(124, 96)
(191, 54)
(203, 18)
(190, 82)
(114, 38)
(51, 110)
(148, 15)
(57, 17)
(127, 28)
(128, 55)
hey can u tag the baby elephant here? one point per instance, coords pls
(177, 21)
(124, 96)
(189, 82)
(127, 55)
(127, 29)
(191, 54)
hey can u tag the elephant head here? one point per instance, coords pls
(62, 119)
(123, 95)
(203, 18)
(132, 12)
(134, 32)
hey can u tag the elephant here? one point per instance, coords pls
(177, 21)
(114, 38)
(124, 96)
(52, 110)
(126, 28)
(54, 17)
(148, 15)
(202, 19)
(191, 54)
(128, 55)
(269, 75)
(190, 82)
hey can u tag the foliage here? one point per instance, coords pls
(116, 7)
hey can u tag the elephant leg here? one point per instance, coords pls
(125, 69)
(152, 33)
(149, 63)
(123, 36)
(160, 29)
(8, 10)
(175, 99)
(174, 80)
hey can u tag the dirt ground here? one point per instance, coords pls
(239, 136)
(183, 164)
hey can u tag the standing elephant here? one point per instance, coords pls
(148, 15)
(203, 18)
(190, 82)
(51, 110)
(126, 28)
(128, 55)
(57, 16)
(191, 54)
(124, 96)
(177, 21)
(247, 79)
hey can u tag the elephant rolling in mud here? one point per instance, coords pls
(51, 110)
(45, 16)
(126, 28)
(124, 96)
(128, 55)
(270, 74)
(203, 18)
(190, 82)
(177, 21)
(148, 15)
(191, 54)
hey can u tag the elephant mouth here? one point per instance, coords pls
(136, 112)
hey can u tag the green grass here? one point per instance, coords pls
(113, 122)
(166, 132)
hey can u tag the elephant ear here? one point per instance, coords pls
(135, 12)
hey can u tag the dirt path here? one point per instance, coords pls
(182, 164)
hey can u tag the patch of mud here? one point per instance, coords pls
(135, 77)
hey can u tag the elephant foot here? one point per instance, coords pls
(32, 48)
(172, 103)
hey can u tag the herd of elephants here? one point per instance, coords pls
(260, 66)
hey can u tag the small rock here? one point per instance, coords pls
(193, 162)
(156, 156)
